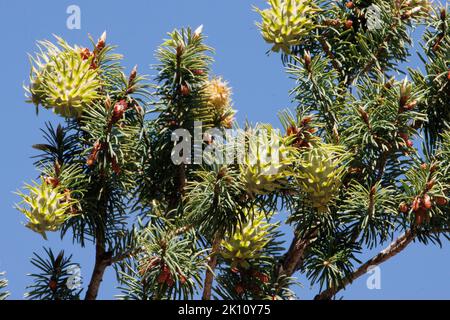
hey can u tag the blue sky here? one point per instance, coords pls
(260, 90)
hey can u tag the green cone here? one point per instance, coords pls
(62, 79)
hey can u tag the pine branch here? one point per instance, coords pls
(209, 278)
(103, 260)
(293, 259)
(392, 250)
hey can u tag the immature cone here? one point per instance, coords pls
(62, 79)
(267, 161)
(247, 242)
(286, 22)
(46, 208)
(218, 94)
(321, 172)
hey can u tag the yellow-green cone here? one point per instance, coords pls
(320, 174)
(267, 162)
(286, 22)
(218, 94)
(62, 79)
(45, 207)
(247, 242)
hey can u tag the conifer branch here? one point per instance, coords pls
(212, 263)
(293, 259)
(392, 250)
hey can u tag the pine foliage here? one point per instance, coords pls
(362, 157)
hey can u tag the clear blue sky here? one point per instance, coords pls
(137, 27)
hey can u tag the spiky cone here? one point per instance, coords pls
(267, 162)
(321, 169)
(247, 242)
(218, 94)
(286, 22)
(62, 79)
(45, 207)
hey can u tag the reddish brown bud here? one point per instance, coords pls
(54, 182)
(430, 184)
(101, 42)
(441, 201)
(424, 166)
(133, 74)
(119, 110)
(427, 201)
(198, 72)
(350, 5)
(348, 24)
(307, 59)
(163, 277)
(416, 204)
(53, 285)
(184, 90)
(85, 53)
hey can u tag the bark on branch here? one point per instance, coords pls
(293, 258)
(393, 249)
(209, 278)
(102, 261)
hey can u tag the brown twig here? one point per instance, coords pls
(103, 259)
(393, 249)
(293, 259)
(209, 277)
